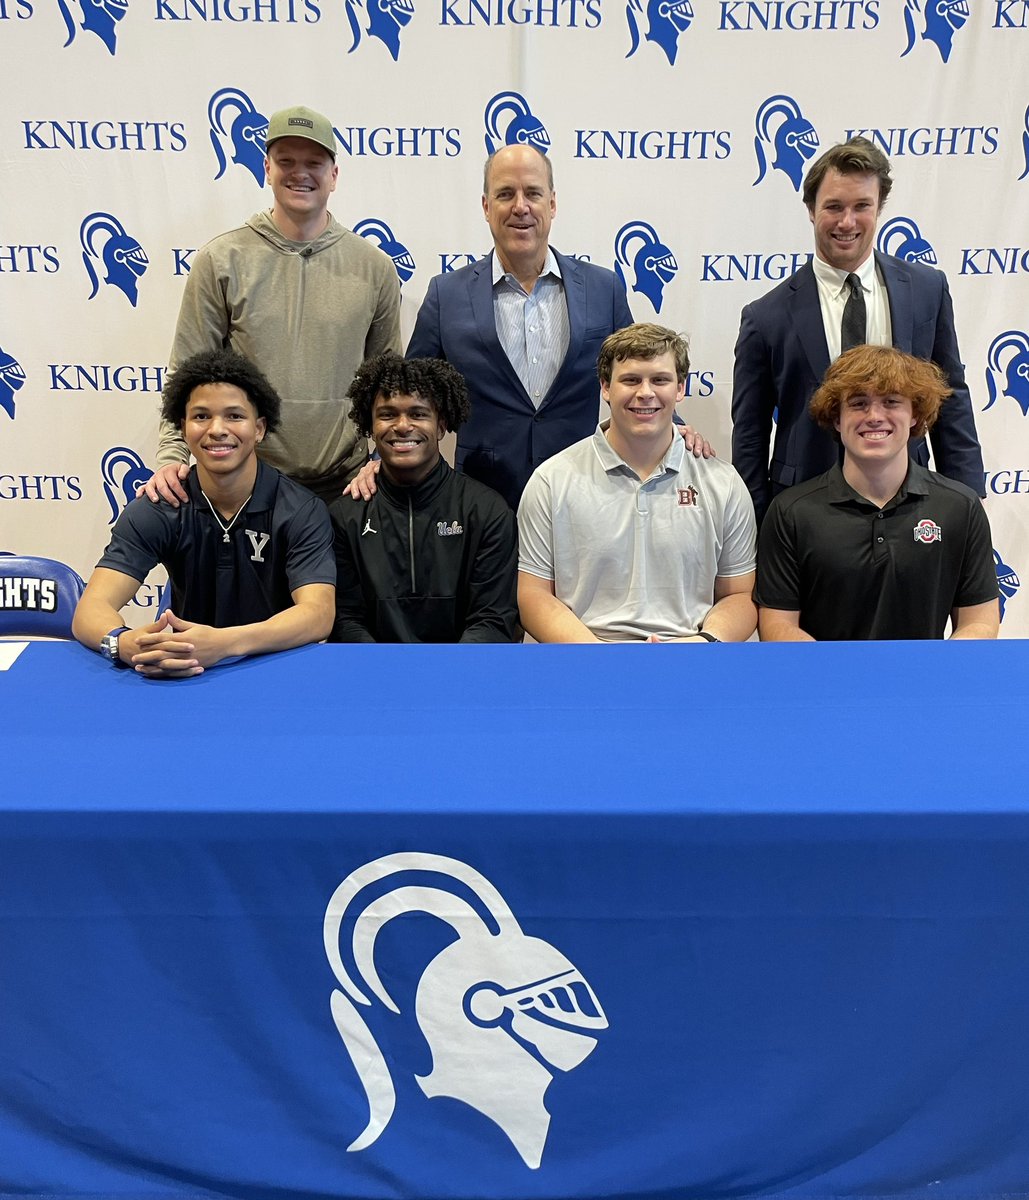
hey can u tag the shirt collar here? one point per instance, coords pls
(550, 267)
(834, 280)
(261, 499)
(839, 491)
(611, 461)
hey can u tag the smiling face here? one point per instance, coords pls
(406, 431)
(302, 176)
(519, 205)
(875, 429)
(844, 215)
(642, 393)
(222, 429)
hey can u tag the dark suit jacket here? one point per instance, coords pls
(781, 356)
(506, 437)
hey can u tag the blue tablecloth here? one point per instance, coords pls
(516, 922)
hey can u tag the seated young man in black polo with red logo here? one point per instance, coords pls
(249, 557)
(432, 556)
(878, 547)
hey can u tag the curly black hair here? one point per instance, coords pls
(219, 366)
(390, 375)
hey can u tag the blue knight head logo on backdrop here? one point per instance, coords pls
(901, 238)
(1025, 147)
(1007, 581)
(378, 231)
(386, 18)
(666, 19)
(99, 17)
(122, 471)
(123, 259)
(942, 19)
(523, 128)
(502, 1012)
(652, 263)
(1015, 373)
(794, 139)
(232, 117)
(12, 379)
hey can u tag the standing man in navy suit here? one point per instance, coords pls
(524, 326)
(848, 295)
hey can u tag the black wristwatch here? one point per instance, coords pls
(109, 646)
(708, 637)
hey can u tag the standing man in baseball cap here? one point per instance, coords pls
(304, 299)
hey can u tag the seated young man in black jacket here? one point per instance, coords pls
(433, 555)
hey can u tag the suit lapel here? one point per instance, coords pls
(806, 315)
(897, 281)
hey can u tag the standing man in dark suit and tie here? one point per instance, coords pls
(524, 326)
(848, 295)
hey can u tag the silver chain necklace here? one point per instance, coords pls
(214, 513)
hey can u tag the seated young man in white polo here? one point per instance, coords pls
(625, 536)
(250, 557)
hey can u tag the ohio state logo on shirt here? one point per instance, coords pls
(927, 531)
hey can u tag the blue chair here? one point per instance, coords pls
(37, 597)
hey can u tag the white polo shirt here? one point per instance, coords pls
(633, 558)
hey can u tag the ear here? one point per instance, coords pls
(267, 169)
(262, 428)
(605, 391)
(485, 206)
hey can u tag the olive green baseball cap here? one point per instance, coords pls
(302, 122)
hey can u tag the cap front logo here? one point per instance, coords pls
(927, 531)
(301, 121)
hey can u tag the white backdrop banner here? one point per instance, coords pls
(131, 132)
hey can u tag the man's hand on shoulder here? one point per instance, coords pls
(166, 484)
(362, 486)
(696, 444)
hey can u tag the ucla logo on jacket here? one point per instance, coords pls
(935, 21)
(237, 131)
(641, 255)
(1008, 358)
(665, 20)
(12, 379)
(511, 122)
(785, 135)
(107, 247)
(379, 232)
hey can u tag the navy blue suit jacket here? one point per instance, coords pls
(506, 437)
(781, 356)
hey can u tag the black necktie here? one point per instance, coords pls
(852, 328)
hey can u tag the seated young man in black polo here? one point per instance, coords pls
(432, 556)
(249, 558)
(879, 547)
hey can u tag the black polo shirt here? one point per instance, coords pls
(856, 572)
(282, 540)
